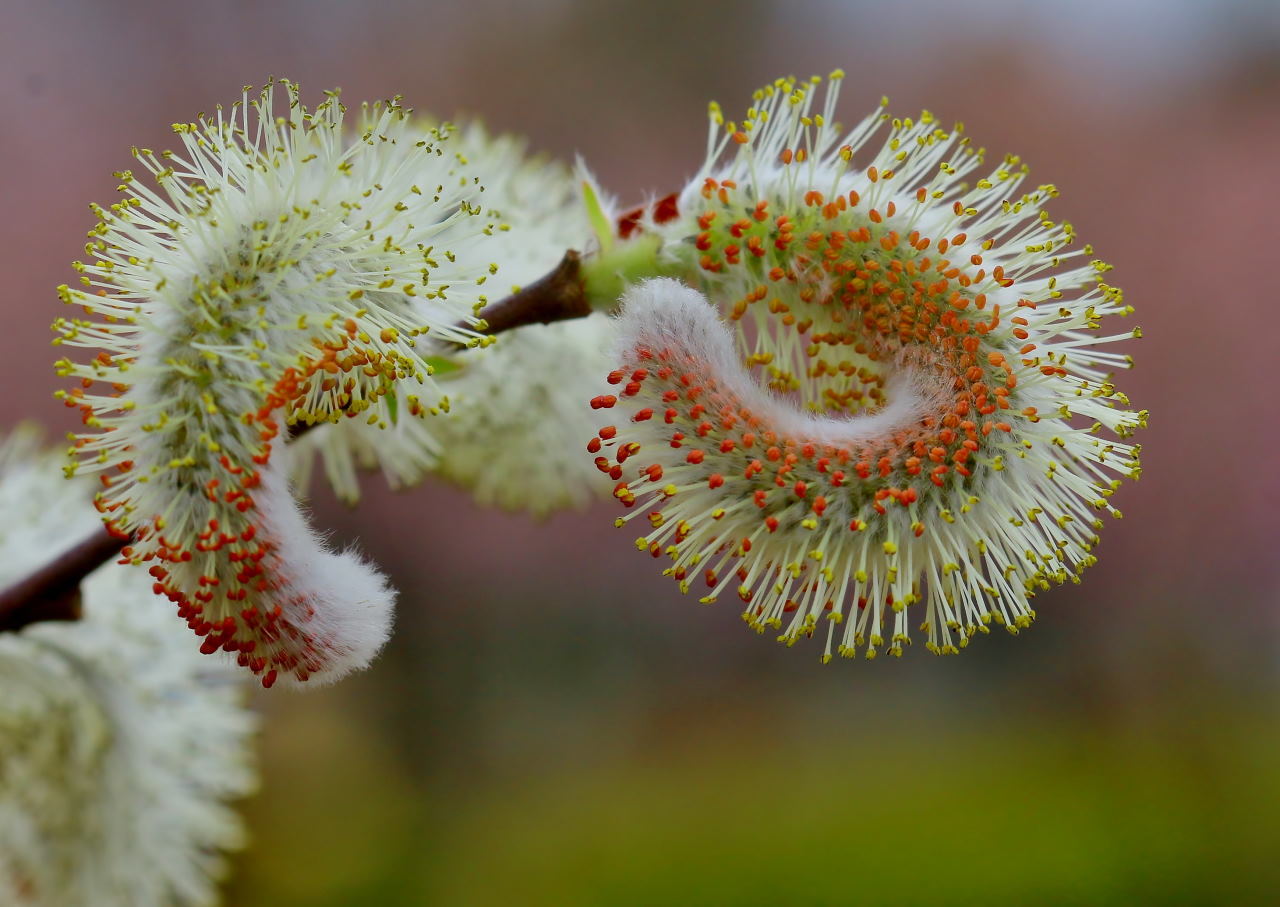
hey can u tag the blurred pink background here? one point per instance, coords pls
(552, 722)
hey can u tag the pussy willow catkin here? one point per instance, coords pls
(893, 409)
(283, 268)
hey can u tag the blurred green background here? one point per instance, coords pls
(553, 723)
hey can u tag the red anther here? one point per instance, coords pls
(629, 223)
(695, 457)
(593, 446)
(608, 432)
(727, 445)
(669, 416)
(771, 523)
(643, 415)
(269, 679)
(632, 388)
(615, 376)
(654, 472)
(819, 504)
(715, 481)
(760, 496)
(605, 401)
(666, 209)
(800, 489)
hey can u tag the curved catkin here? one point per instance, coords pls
(892, 410)
(288, 266)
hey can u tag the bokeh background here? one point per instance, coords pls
(553, 723)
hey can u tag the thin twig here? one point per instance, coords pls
(556, 296)
(53, 591)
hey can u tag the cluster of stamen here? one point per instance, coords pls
(216, 335)
(776, 465)
(842, 299)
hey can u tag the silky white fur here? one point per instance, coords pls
(665, 313)
(351, 601)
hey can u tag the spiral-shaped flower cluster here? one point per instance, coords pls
(904, 417)
(289, 266)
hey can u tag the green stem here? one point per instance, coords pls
(606, 275)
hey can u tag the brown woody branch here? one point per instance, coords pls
(52, 592)
(557, 296)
